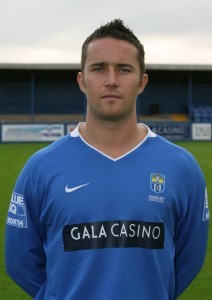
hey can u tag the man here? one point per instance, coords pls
(112, 210)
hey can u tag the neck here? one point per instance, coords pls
(113, 138)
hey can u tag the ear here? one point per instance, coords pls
(143, 83)
(80, 80)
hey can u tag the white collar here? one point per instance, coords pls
(150, 134)
(76, 133)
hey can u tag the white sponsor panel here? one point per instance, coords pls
(201, 131)
(206, 213)
(31, 132)
(17, 215)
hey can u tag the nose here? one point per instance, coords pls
(111, 79)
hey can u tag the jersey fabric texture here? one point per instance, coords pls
(84, 226)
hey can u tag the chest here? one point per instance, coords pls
(94, 191)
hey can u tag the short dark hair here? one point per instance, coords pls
(117, 30)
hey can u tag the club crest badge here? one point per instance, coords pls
(157, 182)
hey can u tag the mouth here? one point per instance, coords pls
(111, 96)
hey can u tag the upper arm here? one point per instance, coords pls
(191, 234)
(24, 253)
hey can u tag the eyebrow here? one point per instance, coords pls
(103, 64)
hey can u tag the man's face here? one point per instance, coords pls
(111, 79)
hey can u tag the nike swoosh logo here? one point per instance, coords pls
(70, 190)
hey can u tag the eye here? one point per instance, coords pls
(97, 69)
(124, 70)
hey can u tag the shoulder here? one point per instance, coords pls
(178, 158)
(166, 149)
(51, 148)
(49, 155)
(171, 149)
